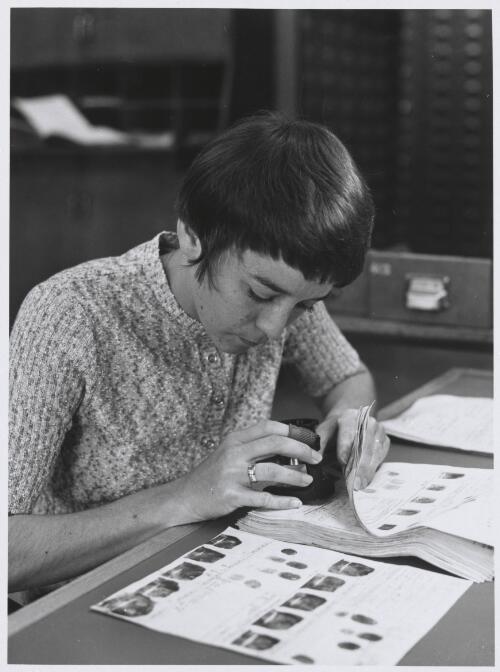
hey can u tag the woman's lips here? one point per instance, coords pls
(250, 343)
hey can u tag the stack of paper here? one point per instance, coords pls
(440, 514)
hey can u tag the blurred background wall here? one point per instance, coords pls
(408, 91)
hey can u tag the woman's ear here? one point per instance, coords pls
(189, 243)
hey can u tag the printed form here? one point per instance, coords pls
(289, 603)
(403, 495)
(447, 421)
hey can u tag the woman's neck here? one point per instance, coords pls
(180, 277)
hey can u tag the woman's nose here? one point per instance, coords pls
(272, 320)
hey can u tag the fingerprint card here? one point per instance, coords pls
(405, 495)
(288, 603)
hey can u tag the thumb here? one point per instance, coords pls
(327, 432)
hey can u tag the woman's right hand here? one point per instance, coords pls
(221, 484)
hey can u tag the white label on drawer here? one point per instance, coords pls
(416, 301)
(380, 268)
(427, 293)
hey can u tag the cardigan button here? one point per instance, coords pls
(213, 358)
(218, 400)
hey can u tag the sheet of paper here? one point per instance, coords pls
(56, 115)
(404, 495)
(473, 520)
(464, 423)
(357, 448)
(289, 603)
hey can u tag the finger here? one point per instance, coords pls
(261, 430)
(374, 448)
(274, 473)
(347, 429)
(324, 437)
(281, 445)
(327, 433)
(265, 500)
(385, 445)
(345, 440)
(372, 459)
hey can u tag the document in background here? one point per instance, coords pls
(448, 421)
(56, 116)
(289, 603)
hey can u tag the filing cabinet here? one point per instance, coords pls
(419, 295)
(430, 289)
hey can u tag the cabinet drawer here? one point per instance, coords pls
(429, 289)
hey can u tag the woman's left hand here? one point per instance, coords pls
(343, 430)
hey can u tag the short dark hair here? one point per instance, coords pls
(288, 189)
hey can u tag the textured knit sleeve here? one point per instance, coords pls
(50, 371)
(319, 352)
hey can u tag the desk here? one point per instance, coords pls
(60, 629)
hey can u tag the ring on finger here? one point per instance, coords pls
(251, 474)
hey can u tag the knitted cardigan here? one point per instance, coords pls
(114, 388)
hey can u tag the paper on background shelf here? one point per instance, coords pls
(57, 116)
(447, 421)
(288, 603)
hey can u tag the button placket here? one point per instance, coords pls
(218, 398)
(215, 371)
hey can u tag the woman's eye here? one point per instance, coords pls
(259, 299)
(268, 299)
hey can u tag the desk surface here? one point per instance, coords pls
(60, 628)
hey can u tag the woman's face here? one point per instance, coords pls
(253, 298)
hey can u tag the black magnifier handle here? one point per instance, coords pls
(323, 485)
(304, 435)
